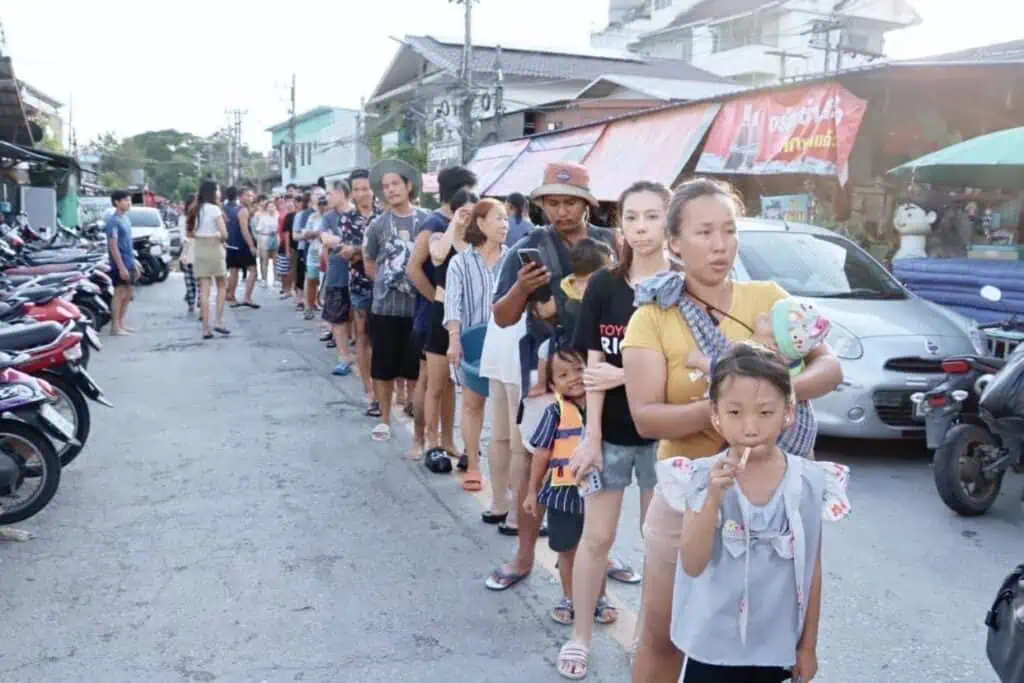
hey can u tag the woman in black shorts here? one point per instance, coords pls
(443, 246)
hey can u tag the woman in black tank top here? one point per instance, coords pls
(439, 384)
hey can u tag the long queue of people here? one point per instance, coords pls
(607, 356)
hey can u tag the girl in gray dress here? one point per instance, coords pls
(747, 597)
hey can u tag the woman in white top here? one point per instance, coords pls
(207, 229)
(265, 224)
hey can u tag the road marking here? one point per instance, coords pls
(622, 631)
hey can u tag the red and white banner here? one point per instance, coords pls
(808, 130)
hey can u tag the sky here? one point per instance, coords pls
(127, 69)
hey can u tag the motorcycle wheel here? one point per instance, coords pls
(957, 471)
(83, 419)
(146, 274)
(49, 471)
(91, 313)
(162, 272)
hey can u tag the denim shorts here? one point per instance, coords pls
(360, 301)
(620, 461)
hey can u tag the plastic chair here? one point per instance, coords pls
(472, 350)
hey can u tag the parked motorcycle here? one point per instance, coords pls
(152, 259)
(29, 466)
(977, 435)
(54, 353)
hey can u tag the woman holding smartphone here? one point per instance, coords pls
(611, 450)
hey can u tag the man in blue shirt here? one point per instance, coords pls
(122, 259)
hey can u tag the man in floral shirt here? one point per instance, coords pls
(353, 228)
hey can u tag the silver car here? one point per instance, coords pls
(890, 341)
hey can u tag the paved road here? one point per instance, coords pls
(231, 521)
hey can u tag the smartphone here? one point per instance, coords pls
(591, 484)
(530, 256)
(533, 256)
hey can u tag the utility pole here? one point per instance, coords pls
(234, 161)
(291, 134)
(783, 55)
(466, 77)
(499, 95)
(825, 28)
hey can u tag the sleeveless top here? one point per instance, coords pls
(441, 271)
(559, 492)
(235, 239)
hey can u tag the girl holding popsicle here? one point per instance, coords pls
(749, 597)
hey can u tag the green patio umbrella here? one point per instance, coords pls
(995, 160)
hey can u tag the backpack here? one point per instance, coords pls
(396, 253)
(1005, 621)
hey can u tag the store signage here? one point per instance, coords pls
(792, 208)
(808, 131)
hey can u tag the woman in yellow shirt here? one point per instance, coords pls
(667, 394)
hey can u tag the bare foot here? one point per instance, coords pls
(118, 332)
(415, 452)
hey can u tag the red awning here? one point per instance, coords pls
(490, 162)
(527, 171)
(652, 147)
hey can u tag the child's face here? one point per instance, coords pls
(751, 412)
(567, 376)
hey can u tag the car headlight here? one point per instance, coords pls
(844, 343)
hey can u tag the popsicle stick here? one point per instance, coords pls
(743, 460)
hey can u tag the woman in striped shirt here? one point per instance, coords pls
(467, 303)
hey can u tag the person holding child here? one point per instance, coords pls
(705, 311)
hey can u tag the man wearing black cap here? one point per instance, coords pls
(122, 259)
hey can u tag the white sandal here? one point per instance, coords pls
(573, 653)
(381, 432)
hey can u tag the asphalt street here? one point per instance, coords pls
(231, 520)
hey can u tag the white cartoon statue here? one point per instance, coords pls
(913, 223)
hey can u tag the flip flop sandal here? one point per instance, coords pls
(373, 410)
(249, 304)
(506, 530)
(501, 580)
(235, 304)
(472, 482)
(332, 344)
(623, 574)
(562, 613)
(573, 654)
(326, 336)
(489, 517)
(605, 613)
(222, 330)
(208, 335)
(381, 432)
(437, 461)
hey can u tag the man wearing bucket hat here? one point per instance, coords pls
(565, 197)
(389, 243)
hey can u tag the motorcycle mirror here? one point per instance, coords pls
(991, 293)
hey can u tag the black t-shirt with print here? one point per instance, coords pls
(604, 314)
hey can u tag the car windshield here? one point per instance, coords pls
(817, 266)
(141, 218)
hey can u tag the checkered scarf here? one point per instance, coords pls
(667, 290)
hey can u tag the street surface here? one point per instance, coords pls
(232, 521)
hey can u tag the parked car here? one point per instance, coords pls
(147, 222)
(890, 341)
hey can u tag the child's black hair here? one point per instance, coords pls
(561, 345)
(749, 360)
(589, 256)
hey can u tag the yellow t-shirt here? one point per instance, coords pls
(665, 331)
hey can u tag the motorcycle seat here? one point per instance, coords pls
(37, 294)
(22, 337)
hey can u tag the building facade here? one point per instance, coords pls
(43, 110)
(418, 98)
(329, 143)
(757, 42)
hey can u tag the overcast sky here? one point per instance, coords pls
(132, 67)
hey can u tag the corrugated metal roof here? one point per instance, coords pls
(563, 66)
(13, 121)
(997, 52)
(665, 88)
